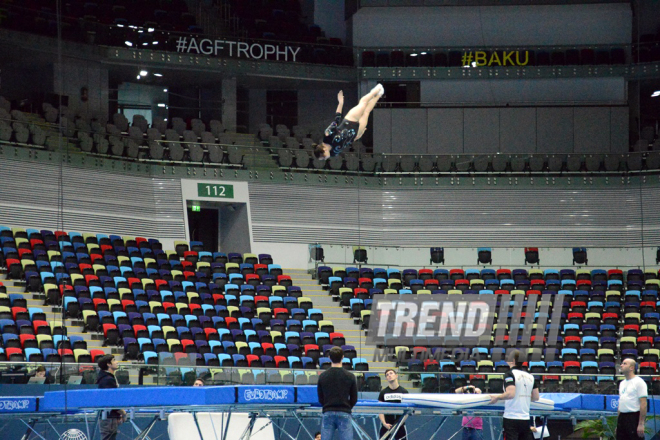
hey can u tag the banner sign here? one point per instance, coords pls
(267, 394)
(18, 404)
(495, 58)
(237, 49)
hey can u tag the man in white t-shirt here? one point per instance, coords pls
(520, 390)
(632, 403)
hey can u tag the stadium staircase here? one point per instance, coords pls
(343, 323)
(74, 327)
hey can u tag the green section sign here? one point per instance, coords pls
(210, 190)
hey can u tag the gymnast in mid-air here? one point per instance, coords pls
(342, 133)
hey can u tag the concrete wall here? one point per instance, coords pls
(329, 14)
(493, 25)
(77, 74)
(488, 130)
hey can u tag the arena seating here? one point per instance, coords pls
(177, 141)
(607, 315)
(181, 307)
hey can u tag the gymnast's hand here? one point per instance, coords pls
(494, 398)
(340, 97)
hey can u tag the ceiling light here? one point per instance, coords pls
(158, 74)
(145, 44)
(161, 105)
(423, 53)
(655, 94)
(155, 42)
(150, 29)
(128, 43)
(138, 77)
(120, 25)
(144, 73)
(413, 54)
(165, 90)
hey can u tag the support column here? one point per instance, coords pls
(229, 104)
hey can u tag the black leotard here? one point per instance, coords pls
(340, 134)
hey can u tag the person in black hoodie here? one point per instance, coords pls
(106, 379)
(337, 391)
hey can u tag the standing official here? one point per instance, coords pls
(633, 394)
(520, 390)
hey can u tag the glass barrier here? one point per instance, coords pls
(163, 370)
(592, 375)
(246, 151)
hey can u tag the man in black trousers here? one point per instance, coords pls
(108, 365)
(337, 390)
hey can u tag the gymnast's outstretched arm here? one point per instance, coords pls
(340, 98)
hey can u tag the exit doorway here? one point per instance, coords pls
(221, 226)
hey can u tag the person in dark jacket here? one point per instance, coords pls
(337, 391)
(106, 379)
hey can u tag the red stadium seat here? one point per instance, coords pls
(503, 274)
(36, 325)
(456, 274)
(253, 360)
(96, 354)
(181, 358)
(537, 284)
(188, 346)
(14, 354)
(211, 334)
(18, 311)
(140, 328)
(615, 274)
(28, 341)
(337, 339)
(281, 361)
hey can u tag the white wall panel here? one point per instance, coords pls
(493, 25)
(482, 129)
(592, 129)
(573, 91)
(554, 130)
(517, 130)
(619, 123)
(409, 131)
(382, 130)
(445, 130)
